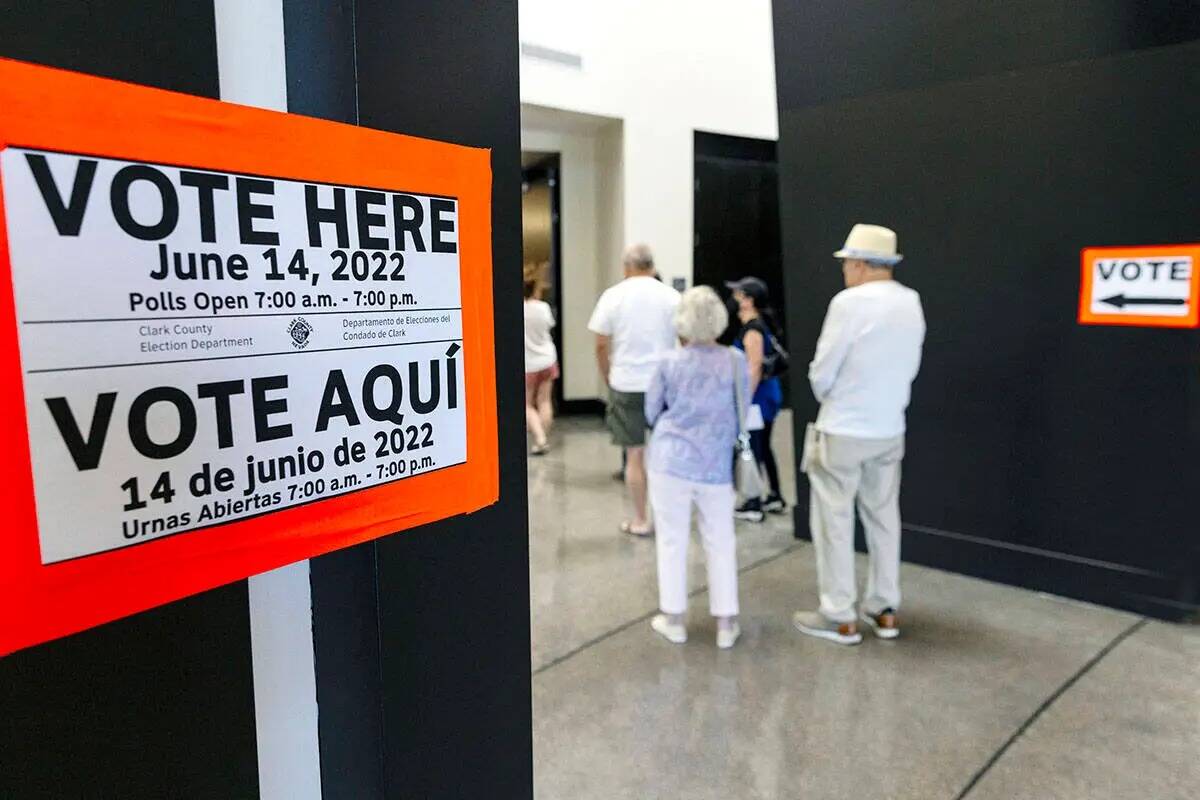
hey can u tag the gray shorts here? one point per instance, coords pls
(626, 418)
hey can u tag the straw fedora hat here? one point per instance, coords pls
(871, 243)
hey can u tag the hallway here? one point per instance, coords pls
(992, 692)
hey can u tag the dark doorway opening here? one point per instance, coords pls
(541, 240)
(736, 215)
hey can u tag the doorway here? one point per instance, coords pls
(541, 240)
(736, 215)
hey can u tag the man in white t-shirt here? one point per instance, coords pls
(867, 356)
(634, 326)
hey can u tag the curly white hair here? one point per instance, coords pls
(701, 316)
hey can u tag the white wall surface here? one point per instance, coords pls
(664, 68)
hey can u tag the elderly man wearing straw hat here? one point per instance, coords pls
(867, 356)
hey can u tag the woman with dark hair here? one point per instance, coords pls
(758, 340)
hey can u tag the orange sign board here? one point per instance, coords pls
(231, 339)
(1149, 286)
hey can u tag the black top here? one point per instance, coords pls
(756, 324)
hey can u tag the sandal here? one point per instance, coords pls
(627, 527)
(540, 449)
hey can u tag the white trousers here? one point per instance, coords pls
(672, 500)
(844, 471)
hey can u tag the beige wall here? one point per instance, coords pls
(590, 197)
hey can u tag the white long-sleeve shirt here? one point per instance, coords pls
(867, 356)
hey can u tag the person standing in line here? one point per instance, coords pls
(634, 329)
(867, 356)
(541, 368)
(691, 405)
(757, 339)
(619, 475)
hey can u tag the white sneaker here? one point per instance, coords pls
(673, 632)
(884, 623)
(815, 624)
(727, 637)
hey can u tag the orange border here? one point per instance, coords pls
(1087, 258)
(58, 110)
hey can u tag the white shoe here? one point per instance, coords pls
(673, 632)
(884, 623)
(727, 637)
(815, 624)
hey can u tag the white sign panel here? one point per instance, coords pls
(200, 347)
(1158, 285)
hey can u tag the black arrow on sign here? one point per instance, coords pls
(1120, 301)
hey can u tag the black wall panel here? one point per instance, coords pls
(169, 45)
(156, 705)
(735, 211)
(422, 639)
(318, 38)
(160, 704)
(454, 597)
(1041, 452)
(849, 48)
(320, 58)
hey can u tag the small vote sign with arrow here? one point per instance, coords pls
(1145, 286)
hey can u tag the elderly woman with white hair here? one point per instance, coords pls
(692, 406)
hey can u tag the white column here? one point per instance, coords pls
(250, 54)
(285, 684)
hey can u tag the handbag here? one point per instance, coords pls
(811, 454)
(746, 475)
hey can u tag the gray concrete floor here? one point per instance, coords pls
(992, 692)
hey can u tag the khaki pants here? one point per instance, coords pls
(842, 472)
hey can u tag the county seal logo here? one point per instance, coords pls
(300, 331)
